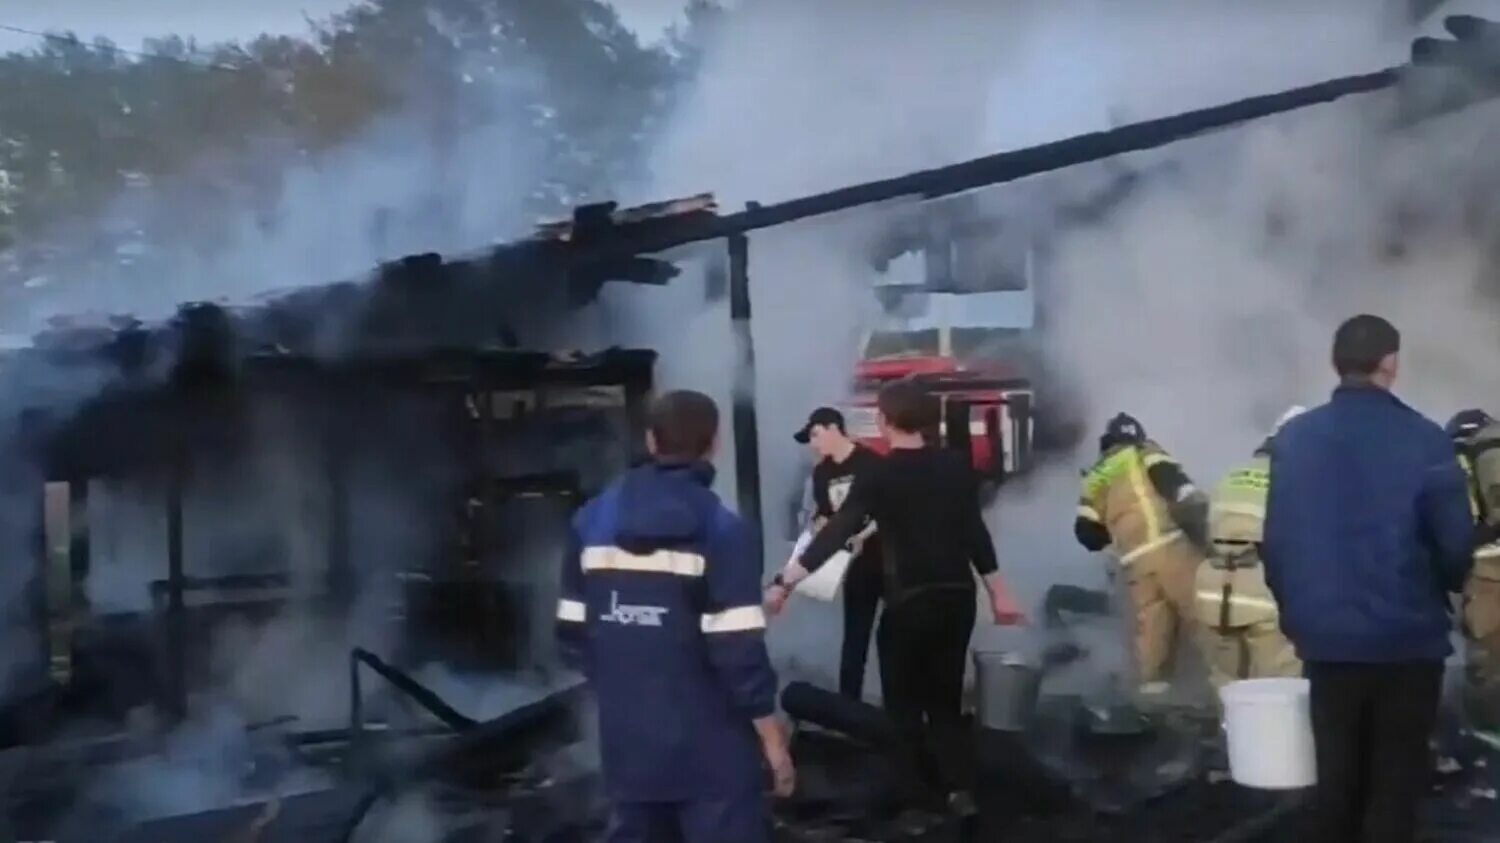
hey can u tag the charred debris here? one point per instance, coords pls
(415, 374)
(431, 368)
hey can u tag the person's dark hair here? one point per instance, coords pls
(908, 406)
(684, 424)
(1361, 343)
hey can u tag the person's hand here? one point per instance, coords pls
(775, 746)
(855, 545)
(775, 599)
(1006, 612)
(783, 772)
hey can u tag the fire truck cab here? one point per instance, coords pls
(956, 318)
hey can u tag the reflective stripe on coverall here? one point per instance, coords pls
(1159, 561)
(660, 605)
(1481, 624)
(1238, 623)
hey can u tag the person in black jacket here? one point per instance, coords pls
(840, 461)
(926, 503)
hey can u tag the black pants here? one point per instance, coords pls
(1371, 725)
(923, 646)
(862, 587)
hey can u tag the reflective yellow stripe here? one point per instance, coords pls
(1143, 500)
(675, 562)
(1154, 458)
(1090, 513)
(1237, 508)
(1108, 469)
(1217, 597)
(1468, 467)
(572, 611)
(738, 619)
(1154, 544)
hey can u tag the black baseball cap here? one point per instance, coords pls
(823, 416)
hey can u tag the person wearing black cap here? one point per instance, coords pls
(935, 542)
(1367, 534)
(841, 461)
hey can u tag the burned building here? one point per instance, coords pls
(430, 396)
(236, 458)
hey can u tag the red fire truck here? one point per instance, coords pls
(971, 348)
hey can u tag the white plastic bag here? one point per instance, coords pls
(824, 584)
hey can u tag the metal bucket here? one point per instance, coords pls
(1007, 689)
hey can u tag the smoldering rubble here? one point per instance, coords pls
(1200, 303)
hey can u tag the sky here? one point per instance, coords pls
(128, 23)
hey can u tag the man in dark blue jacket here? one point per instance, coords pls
(1367, 533)
(661, 604)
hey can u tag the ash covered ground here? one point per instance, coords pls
(1199, 300)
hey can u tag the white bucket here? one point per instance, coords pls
(1269, 728)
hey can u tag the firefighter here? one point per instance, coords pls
(1138, 500)
(1238, 623)
(1475, 435)
(661, 605)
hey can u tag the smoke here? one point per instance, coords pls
(1203, 303)
(259, 501)
(278, 217)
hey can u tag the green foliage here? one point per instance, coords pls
(82, 124)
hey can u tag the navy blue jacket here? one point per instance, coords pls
(1367, 530)
(661, 605)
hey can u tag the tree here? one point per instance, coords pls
(84, 126)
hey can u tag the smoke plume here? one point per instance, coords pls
(1202, 303)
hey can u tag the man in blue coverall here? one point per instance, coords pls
(1367, 534)
(661, 605)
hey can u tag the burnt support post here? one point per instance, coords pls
(78, 535)
(176, 608)
(68, 613)
(746, 438)
(36, 585)
(336, 451)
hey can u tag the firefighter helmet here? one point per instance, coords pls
(1123, 429)
(1466, 423)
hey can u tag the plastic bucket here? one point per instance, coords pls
(1007, 690)
(1268, 723)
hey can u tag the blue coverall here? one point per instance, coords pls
(661, 605)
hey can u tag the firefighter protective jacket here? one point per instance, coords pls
(1125, 501)
(1486, 555)
(661, 606)
(1237, 513)
(1235, 594)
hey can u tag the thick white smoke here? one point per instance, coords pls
(1203, 303)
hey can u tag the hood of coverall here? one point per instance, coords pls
(664, 503)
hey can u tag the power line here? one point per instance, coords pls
(75, 41)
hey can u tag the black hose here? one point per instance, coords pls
(1263, 825)
(838, 713)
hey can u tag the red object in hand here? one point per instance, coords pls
(1006, 612)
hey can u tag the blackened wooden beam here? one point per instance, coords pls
(336, 444)
(746, 437)
(1002, 167)
(176, 579)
